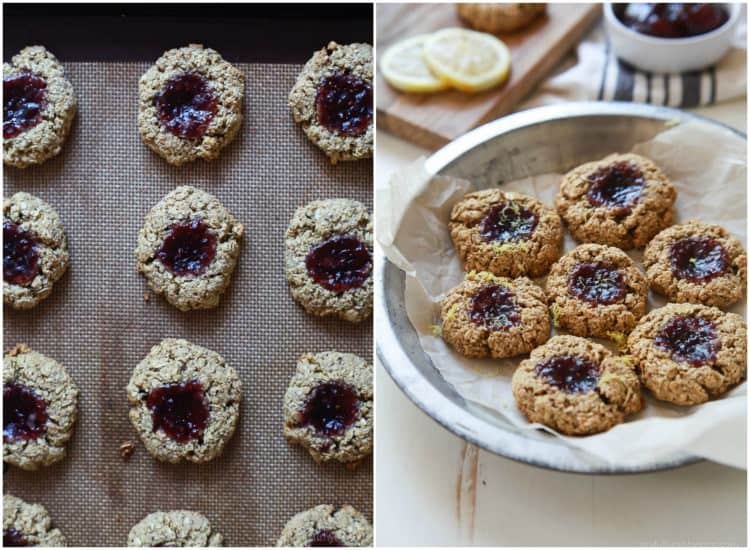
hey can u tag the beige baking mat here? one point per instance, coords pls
(98, 325)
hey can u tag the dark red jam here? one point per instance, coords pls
(596, 283)
(690, 340)
(24, 98)
(672, 20)
(617, 186)
(20, 255)
(343, 104)
(13, 537)
(330, 408)
(186, 105)
(24, 413)
(325, 537)
(341, 263)
(699, 259)
(188, 248)
(495, 307)
(179, 409)
(570, 373)
(508, 222)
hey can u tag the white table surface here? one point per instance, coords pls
(433, 488)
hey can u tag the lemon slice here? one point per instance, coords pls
(471, 61)
(404, 68)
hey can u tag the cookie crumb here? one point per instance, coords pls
(127, 448)
(146, 297)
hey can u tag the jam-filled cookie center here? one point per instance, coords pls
(325, 537)
(180, 410)
(188, 248)
(20, 255)
(330, 408)
(186, 105)
(495, 307)
(688, 339)
(619, 185)
(698, 259)
(13, 537)
(569, 373)
(508, 222)
(597, 283)
(24, 99)
(340, 263)
(343, 104)
(24, 413)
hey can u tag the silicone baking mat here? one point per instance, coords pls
(98, 324)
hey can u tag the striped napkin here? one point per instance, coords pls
(595, 73)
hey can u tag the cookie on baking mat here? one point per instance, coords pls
(179, 528)
(326, 525)
(28, 524)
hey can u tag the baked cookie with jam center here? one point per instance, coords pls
(596, 290)
(576, 387)
(178, 528)
(333, 101)
(505, 233)
(689, 353)
(190, 104)
(698, 263)
(494, 316)
(328, 407)
(28, 525)
(184, 402)
(621, 201)
(327, 525)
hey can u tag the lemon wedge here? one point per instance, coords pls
(470, 61)
(403, 66)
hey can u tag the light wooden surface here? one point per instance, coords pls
(432, 120)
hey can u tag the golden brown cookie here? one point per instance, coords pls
(499, 18)
(621, 200)
(327, 525)
(689, 353)
(698, 263)
(505, 233)
(178, 528)
(28, 525)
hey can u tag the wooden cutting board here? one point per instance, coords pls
(432, 120)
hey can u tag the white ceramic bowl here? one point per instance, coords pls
(670, 55)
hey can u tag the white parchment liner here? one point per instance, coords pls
(707, 165)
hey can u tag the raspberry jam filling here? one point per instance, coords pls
(691, 340)
(330, 408)
(508, 222)
(20, 255)
(596, 283)
(24, 98)
(619, 186)
(24, 413)
(186, 105)
(699, 259)
(341, 263)
(179, 409)
(325, 537)
(495, 307)
(672, 20)
(343, 104)
(570, 373)
(13, 537)
(188, 248)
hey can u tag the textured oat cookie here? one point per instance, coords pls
(35, 250)
(498, 18)
(190, 104)
(576, 387)
(39, 107)
(328, 407)
(28, 524)
(621, 200)
(505, 233)
(188, 248)
(326, 525)
(184, 401)
(329, 259)
(689, 353)
(179, 528)
(494, 316)
(597, 290)
(332, 101)
(40, 404)
(698, 263)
